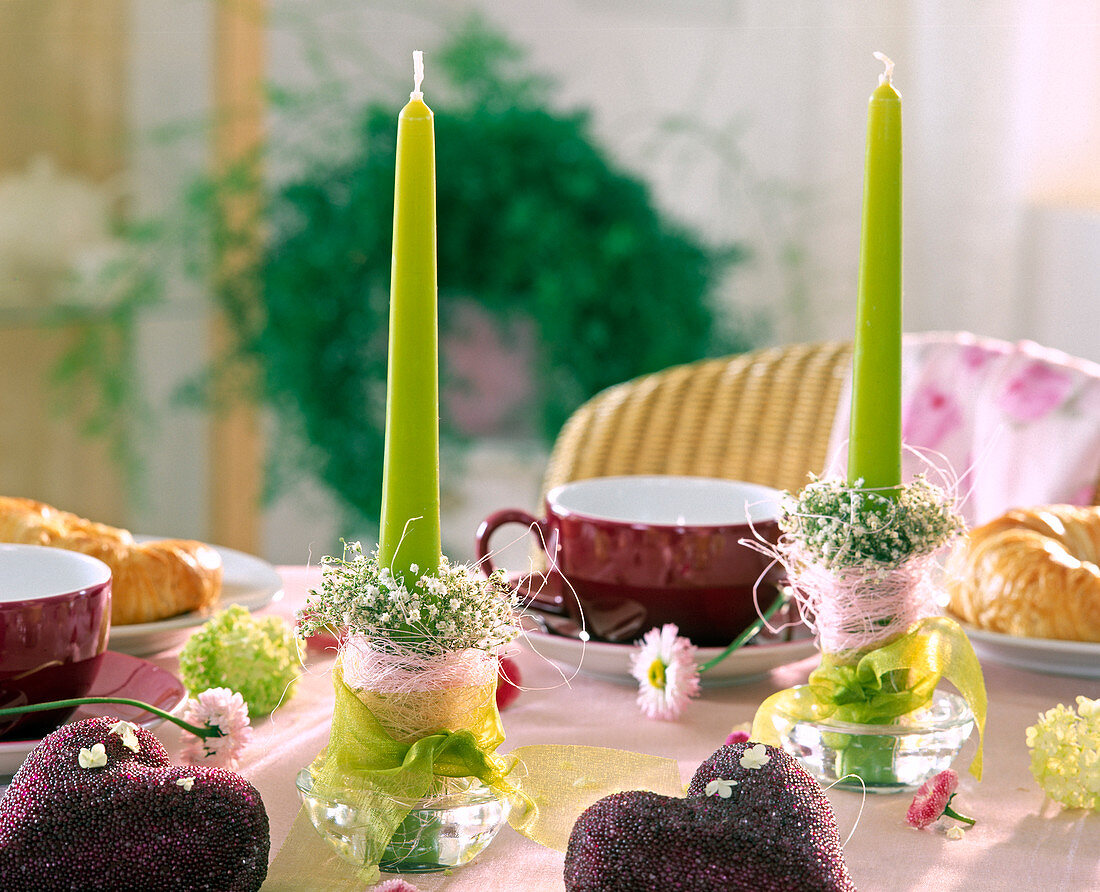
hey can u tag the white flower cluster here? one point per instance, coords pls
(454, 609)
(846, 526)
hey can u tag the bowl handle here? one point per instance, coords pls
(545, 537)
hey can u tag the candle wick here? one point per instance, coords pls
(418, 74)
(885, 77)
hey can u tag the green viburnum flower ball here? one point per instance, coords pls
(1065, 753)
(256, 657)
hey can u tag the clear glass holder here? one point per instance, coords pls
(440, 832)
(887, 758)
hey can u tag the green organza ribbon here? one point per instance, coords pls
(884, 684)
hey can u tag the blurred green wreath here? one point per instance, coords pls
(535, 224)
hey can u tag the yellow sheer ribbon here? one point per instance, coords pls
(547, 786)
(885, 683)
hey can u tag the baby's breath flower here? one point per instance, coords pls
(1065, 753)
(366, 599)
(846, 526)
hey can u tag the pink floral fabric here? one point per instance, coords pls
(1016, 424)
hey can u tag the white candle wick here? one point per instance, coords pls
(884, 78)
(418, 74)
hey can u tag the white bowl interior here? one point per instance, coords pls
(28, 572)
(668, 500)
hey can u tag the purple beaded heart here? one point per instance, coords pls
(753, 820)
(128, 820)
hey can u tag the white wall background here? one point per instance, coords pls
(1002, 141)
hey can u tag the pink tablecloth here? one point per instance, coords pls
(1021, 841)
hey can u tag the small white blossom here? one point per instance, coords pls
(755, 757)
(186, 782)
(126, 730)
(95, 757)
(720, 787)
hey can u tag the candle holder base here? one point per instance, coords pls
(440, 832)
(887, 758)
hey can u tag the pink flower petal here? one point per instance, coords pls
(223, 709)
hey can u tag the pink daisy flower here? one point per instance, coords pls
(667, 675)
(225, 715)
(933, 801)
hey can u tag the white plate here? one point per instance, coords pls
(611, 662)
(1048, 655)
(246, 580)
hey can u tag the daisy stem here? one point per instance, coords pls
(756, 626)
(203, 733)
(951, 813)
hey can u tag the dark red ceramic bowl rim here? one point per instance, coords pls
(746, 525)
(86, 591)
(91, 589)
(76, 593)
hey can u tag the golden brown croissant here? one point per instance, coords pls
(1032, 573)
(150, 580)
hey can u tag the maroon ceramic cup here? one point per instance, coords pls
(55, 618)
(631, 553)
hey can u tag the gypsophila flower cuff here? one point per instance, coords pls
(845, 526)
(456, 609)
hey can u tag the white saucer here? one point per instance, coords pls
(611, 662)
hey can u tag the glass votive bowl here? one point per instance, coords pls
(439, 833)
(881, 758)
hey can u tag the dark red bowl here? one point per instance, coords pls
(637, 552)
(55, 618)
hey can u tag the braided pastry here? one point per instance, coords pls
(1032, 573)
(150, 580)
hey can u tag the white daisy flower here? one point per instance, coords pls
(666, 672)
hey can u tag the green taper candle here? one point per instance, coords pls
(874, 447)
(409, 535)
